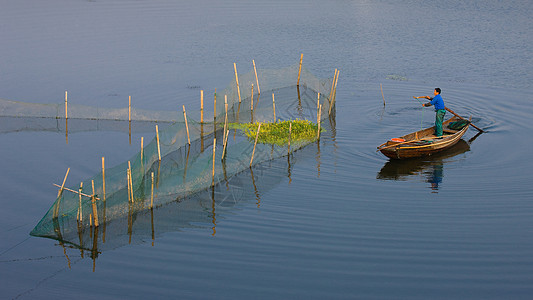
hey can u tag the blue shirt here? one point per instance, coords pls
(437, 102)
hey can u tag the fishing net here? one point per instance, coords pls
(168, 171)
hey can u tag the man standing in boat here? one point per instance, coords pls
(440, 111)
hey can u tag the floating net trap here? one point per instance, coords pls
(189, 159)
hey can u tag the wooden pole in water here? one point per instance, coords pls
(95, 209)
(290, 133)
(252, 98)
(256, 80)
(103, 176)
(56, 210)
(331, 91)
(274, 108)
(237, 81)
(129, 109)
(129, 186)
(225, 145)
(158, 146)
(382, 96)
(76, 192)
(319, 117)
(131, 180)
(300, 69)
(66, 104)
(142, 149)
(201, 106)
(152, 194)
(215, 107)
(335, 88)
(226, 118)
(80, 212)
(317, 107)
(186, 125)
(256, 136)
(214, 148)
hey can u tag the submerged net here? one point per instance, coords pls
(186, 171)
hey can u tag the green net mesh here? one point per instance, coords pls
(185, 171)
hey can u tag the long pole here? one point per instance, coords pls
(80, 212)
(95, 209)
(186, 125)
(274, 108)
(256, 136)
(214, 149)
(480, 130)
(319, 116)
(237, 81)
(129, 109)
(201, 106)
(300, 69)
(256, 80)
(103, 176)
(290, 133)
(381, 87)
(158, 146)
(152, 195)
(66, 104)
(56, 209)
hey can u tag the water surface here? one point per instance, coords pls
(343, 221)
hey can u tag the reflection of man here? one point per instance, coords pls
(436, 176)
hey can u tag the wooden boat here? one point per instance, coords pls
(423, 142)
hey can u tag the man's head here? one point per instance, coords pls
(437, 91)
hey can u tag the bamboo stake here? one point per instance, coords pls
(158, 146)
(131, 180)
(103, 177)
(256, 136)
(225, 119)
(214, 148)
(215, 107)
(142, 149)
(237, 81)
(186, 125)
(300, 69)
(201, 106)
(290, 133)
(317, 107)
(319, 117)
(335, 87)
(332, 93)
(381, 88)
(80, 212)
(95, 209)
(152, 195)
(76, 192)
(225, 145)
(129, 109)
(66, 104)
(256, 80)
(252, 98)
(63, 185)
(128, 175)
(274, 108)
(56, 210)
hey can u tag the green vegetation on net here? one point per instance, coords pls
(278, 133)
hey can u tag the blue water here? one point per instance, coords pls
(345, 222)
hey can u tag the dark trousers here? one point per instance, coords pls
(439, 116)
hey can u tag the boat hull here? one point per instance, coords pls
(423, 143)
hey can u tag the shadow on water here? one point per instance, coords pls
(430, 168)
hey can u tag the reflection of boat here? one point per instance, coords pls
(401, 169)
(423, 142)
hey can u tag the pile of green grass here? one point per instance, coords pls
(278, 133)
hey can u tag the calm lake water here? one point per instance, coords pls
(343, 221)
